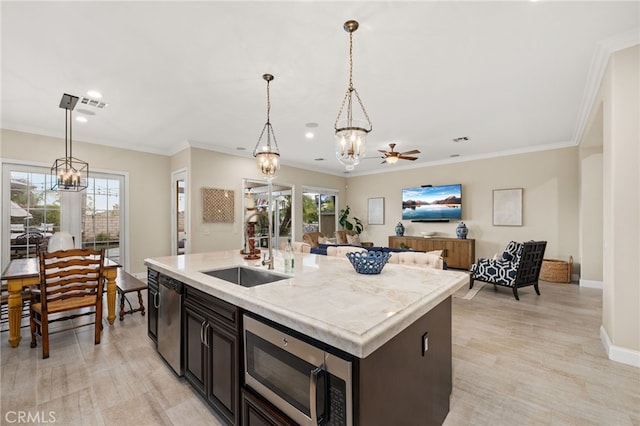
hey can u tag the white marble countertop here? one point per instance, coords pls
(325, 298)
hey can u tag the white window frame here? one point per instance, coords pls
(69, 209)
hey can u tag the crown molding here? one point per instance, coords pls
(599, 61)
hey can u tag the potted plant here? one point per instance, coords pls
(345, 223)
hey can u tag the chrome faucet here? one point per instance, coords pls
(269, 261)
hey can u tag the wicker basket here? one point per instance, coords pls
(557, 271)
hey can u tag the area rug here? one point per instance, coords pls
(472, 292)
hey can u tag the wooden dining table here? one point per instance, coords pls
(21, 273)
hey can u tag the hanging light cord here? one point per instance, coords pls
(267, 126)
(351, 90)
(69, 119)
(268, 101)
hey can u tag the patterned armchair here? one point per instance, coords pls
(519, 266)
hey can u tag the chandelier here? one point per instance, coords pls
(267, 155)
(351, 133)
(71, 174)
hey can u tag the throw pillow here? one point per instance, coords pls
(353, 239)
(435, 252)
(511, 251)
(323, 240)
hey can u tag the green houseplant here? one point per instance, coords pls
(346, 223)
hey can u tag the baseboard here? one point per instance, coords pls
(591, 284)
(617, 353)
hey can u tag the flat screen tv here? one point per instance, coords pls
(432, 203)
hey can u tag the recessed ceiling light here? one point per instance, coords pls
(94, 94)
(461, 139)
(311, 125)
(309, 135)
(318, 159)
(454, 155)
(241, 148)
(85, 111)
(82, 119)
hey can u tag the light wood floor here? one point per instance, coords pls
(538, 361)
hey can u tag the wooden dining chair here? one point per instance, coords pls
(71, 285)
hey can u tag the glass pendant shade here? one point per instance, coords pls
(268, 163)
(69, 173)
(267, 155)
(351, 133)
(350, 143)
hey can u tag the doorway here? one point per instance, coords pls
(256, 207)
(179, 213)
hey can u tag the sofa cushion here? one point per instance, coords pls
(354, 240)
(416, 258)
(311, 238)
(341, 236)
(342, 250)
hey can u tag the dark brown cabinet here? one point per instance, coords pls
(256, 411)
(152, 303)
(457, 253)
(407, 381)
(212, 351)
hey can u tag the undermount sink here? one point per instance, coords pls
(245, 277)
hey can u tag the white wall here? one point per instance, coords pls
(550, 200)
(215, 170)
(148, 198)
(620, 94)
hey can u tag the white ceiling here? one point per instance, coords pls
(511, 76)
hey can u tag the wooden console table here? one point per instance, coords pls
(26, 272)
(458, 253)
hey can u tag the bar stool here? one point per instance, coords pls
(127, 283)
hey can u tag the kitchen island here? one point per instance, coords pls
(396, 325)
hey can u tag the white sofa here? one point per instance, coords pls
(432, 259)
(343, 250)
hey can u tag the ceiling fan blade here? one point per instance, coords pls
(413, 151)
(383, 151)
(408, 158)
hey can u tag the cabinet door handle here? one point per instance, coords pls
(206, 335)
(202, 333)
(313, 392)
(156, 300)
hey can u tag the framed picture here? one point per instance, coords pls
(507, 207)
(376, 211)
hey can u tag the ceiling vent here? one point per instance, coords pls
(94, 103)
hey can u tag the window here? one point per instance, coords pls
(92, 216)
(101, 222)
(34, 214)
(319, 210)
(282, 208)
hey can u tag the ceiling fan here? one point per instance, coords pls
(392, 156)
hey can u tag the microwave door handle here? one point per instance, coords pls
(313, 393)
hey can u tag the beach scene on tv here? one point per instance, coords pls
(432, 203)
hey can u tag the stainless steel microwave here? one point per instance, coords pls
(310, 385)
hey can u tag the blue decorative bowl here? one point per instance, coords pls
(370, 262)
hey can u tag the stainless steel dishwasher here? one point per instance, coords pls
(170, 322)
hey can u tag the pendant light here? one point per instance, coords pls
(351, 133)
(71, 174)
(267, 155)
